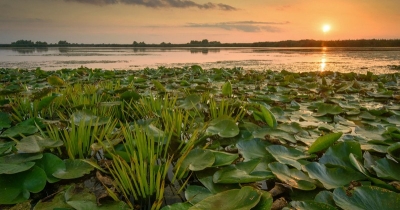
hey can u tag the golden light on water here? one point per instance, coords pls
(326, 28)
(323, 63)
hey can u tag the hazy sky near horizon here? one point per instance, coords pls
(179, 21)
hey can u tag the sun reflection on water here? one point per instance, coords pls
(323, 63)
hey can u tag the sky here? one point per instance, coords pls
(180, 21)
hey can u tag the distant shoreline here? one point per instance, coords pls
(362, 43)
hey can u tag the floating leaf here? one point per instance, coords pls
(324, 109)
(45, 102)
(245, 172)
(223, 126)
(332, 177)
(287, 155)
(254, 149)
(387, 169)
(157, 84)
(50, 164)
(338, 154)
(15, 163)
(394, 151)
(196, 160)
(243, 199)
(16, 188)
(130, 95)
(268, 117)
(292, 177)
(311, 205)
(223, 158)
(73, 169)
(5, 121)
(366, 198)
(195, 194)
(190, 101)
(324, 142)
(34, 144)
(227, 89)
(55, 81)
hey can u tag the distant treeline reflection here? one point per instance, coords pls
(206, 43)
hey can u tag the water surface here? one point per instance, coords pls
(359, 60)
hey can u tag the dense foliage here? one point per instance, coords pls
(220, 138)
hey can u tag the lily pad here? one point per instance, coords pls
(34, 144)
(338, 155)
(394, 151)
(223, 158)
(55, 81)
(195, 194)
(287, 155)
(197, 160)
(324, 142)
(366, 198)
(73, 169)
(292, 177)
(5, 121)
(324, 109)
(50, 164)
(253, 149)
(243, 199)
(332, 177)
(245, 172)
(190, 101)
(15, 163)
(223, 126)
(268, 117)
(227, 89)
(387, 169)
(16, 188)
(311, 205)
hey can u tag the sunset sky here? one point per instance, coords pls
(179, 21)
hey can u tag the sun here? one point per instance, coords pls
(326, 28)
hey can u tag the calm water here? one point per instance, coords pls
(360, 60)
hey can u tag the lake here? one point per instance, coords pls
(359, 60)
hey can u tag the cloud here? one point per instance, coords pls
(246, 26)
(160, 3)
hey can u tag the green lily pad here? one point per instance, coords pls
(292, 177)
(5, 121)
(190, 101)
(27, 127)
(311, 205)
(227, 89)
(177, 206)
(34, 144)
(223, 126)
(394, 151)
(332, 177)
(245, 172)
(287, 155)
(325, 197)
(157, 84)
(197, 160)
(268, 117)
(324, 109)
(55, 81)
(73, 169)
(195, 194)
(15, 163)
(366, 198)
(387, 169)
(16, 188)
(206, 178)
(324, 142)
(45, 102)
(223, 158)
(243, 199)
(50, 164)
(338, 155)
(266, 201)
(6, 147)
(130, 95)
(87, 117)
(253, 149)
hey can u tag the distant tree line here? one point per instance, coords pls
(206, 43)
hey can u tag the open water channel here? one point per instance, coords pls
(359, 60)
